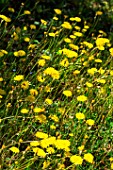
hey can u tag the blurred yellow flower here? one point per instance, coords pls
(25, 85)
(88, 157)
(77, 160)
(32, 27)
(90, 122)
(74, 47)
(18, 77)
(38, 110)
(62, 144)
(34, 143)
(82, 98)
(52, 72)
(40, 152)
(14, 149)
(19, 53)
(66, 25)
(67, 40)
(43, 22)
(78, 34)
(48, 101)
(33, 92)
(76, 72)
(111, 51)
(64, 62)
(50, 150)
(89, 84)
(80, 116)
(26, 39)
(41, 62)
(111, 72)
(111, 165)
(41, 135)
(92, 71)
(52, 34)
(24, 110)
(99, 12)
(26, 12)
(5, 18)
(58, 11)
(1, 79)
(11, 9)
(67, 93)
(103, 81)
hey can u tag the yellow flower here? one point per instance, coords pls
(24, 111)
(41, 135)
(54, 118)
(100, 42)
(30, 98)
(111, 72)
(19, 53)
(111, 51)
(11, 9)
(67, 40)
(64, 62)
(2, 92)
(75, 47)
(39, 152)
(66, 25)
(44, 143)
(78, 34)
(92, 71)
(89, 84)
(99, 13)
(77, 160)
(101, 71)
(41, 62)
(82, 98)
(58, 11)
(52, 34)
(76, 72)
(62, 144)
(1, 79)
(48, 101)
(90, 122)
(38, 110)
(77, 27)
(25, 85)
(26, 39)
(72, 36)
(88, 157)
(80, 116)
(98, 60)
(33, 92)
(67, 93)
(41, 118)
(5, 18)
(43, 22)
(50, 150)
(103, 81)
(26, 12)
(45, 164)
(33, 27)
(14, 149)
(52, 72)
(34, 143)
(18, 77)
(40, 78)
(46, 57)
(111, 165)
(81, 148)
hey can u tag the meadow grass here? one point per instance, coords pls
(56, 93)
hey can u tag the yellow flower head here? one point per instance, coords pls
(5, 18)
(39, 152)
(26, 12)
(66, 25)
(90, 122)
(52, 72)
(24, 111)
(41, 62)
(14, 149)
(25, 85)
(58, 11)
(64, 62)
(38, 110)
(48, 101)
(18, 77)
(41, 135)
(67, 93)
(82, 98)
(88, 157)
(77, 160)
(33, 92)
(80, 116)
(33, 27)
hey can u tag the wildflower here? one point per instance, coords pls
(74, 47)
(55, 18)
(82, 98)
(5, 18)
(76, 72)
(41, 135)
(80, 116)
(25, 85)
(103, 81)
(111, 51)
(62, 144)
(81, 148)
(77, 160)
(99, 12)
(39, 152)
(52, 34)
(48, 101)
(72, 36)
(91, 58)
(26, 12)
(18, 77)
(66, 25)
(67, 40)
(41, 62)
(54, 118)
(45, 164)
(46, 57)
(50, 150)
(2, 92)
(52, 72)
(52, 127)
(58, 11)
(90, 122)
(19, 53)
(67, 93)
(77, 27)
(34, 143)
(24, 111)
(78, 34)
(88, 157)
(14, 149)
(111, 165)
(1, 79)
(92, 71)
(41, 118)
(89, 84)
(98, 60)
(101, 71)
(100, 42)
(43, 22)
(111, 72)
(44, 143)
(38, 110)
(26, 39)
(11, 9)
(32, 27)
(33, 92)
(30, 98)
(40, 78)
(64, 62)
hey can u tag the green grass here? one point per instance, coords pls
(58, 86)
